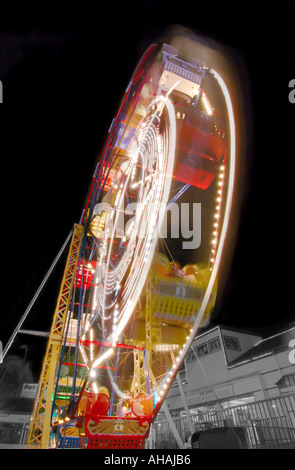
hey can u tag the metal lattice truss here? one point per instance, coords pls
(39, 431)
(139, 380)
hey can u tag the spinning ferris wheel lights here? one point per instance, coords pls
(136, 298)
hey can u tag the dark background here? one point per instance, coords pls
(64, 73)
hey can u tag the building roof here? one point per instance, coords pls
(266, 346)
(211, 327)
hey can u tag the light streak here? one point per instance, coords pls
(208, 107)
(102, 358)
(217, 213)
(91, 344)
(229, 198)
(149, 215)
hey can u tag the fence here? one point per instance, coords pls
(13, 433)
(269, 424)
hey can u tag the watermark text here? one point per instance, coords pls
(291, 356)
(181, 221)
(292, 92)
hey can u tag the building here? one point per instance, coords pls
(234, 377)
(15, 416)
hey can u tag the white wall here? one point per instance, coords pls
(210, 379)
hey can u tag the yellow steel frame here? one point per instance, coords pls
(152, 333)
(138, 384)
(39, 430)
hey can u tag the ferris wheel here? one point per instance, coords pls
(135, 297)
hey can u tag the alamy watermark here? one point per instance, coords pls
(291, 356)
(292, 92)
(185, 221)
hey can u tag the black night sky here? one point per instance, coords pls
(63, 78)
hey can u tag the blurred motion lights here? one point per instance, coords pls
(139, 293)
